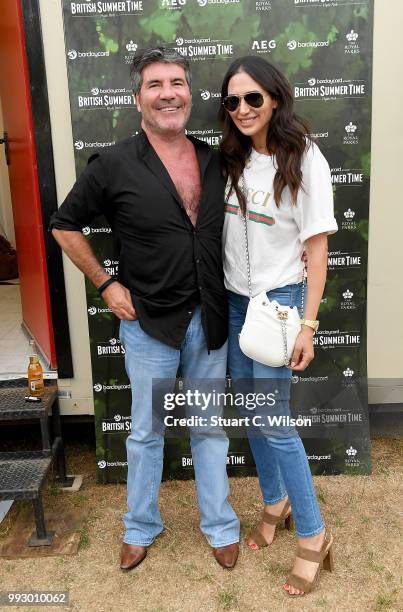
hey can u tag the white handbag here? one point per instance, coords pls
(270, 330)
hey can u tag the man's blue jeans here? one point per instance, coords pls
(281, 461)
(147, 358)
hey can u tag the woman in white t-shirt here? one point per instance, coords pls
(282, 181)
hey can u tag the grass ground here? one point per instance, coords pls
(180, 572)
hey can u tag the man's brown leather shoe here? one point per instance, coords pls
(227, 556)
(131, 556)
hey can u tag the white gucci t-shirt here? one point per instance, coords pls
(275, 234)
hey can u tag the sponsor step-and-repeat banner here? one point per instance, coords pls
(324, 47)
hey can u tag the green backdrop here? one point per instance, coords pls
(324, 47)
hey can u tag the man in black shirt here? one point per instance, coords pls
(163, 195)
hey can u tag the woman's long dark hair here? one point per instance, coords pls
(287, 136)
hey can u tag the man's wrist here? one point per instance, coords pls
(106, 284)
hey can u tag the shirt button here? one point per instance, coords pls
(189, 312)
(200, 287)
(197, 261)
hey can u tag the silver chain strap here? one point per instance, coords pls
(282, 314)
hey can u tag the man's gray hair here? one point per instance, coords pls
(165, 55)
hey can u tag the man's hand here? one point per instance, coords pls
(303, 350)
(119, 301)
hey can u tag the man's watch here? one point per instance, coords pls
(312, 324)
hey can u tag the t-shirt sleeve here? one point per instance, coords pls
(86, 200)
(314, 212)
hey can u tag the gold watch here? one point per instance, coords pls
(312, 324)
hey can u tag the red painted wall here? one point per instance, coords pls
(16, 103)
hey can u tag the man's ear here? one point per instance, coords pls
(136, 99)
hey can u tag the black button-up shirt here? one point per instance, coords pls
(167, 264)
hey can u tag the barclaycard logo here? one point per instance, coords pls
(93, 310)
(98, 387)
(96, 230)
(79, 145)
(103, 464)
(73, 54)
(308, 44)
(208, 95)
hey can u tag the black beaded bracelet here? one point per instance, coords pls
(106, 284)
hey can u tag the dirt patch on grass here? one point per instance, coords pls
(180, 572)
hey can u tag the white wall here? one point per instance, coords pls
(385, 266)
(80, 387)
(385, 282)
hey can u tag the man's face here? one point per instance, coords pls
(164, 99)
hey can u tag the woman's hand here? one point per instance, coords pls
(303, 350)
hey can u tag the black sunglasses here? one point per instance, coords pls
(252, 98)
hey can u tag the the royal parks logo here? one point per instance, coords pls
(348, 222)
(211, 136)
(172, 5)
(72, 54)
(87, 231)
(105, 98)
(352, 46)
(93, 310)
(338, 260)
(329, 89)
(347, 302)
(263, 5)
(350, 134)
(111, 266)
(112, 348)
(263, 45)
(206, 95)
(347, 176)
(122, 7)
(351, 459)
(348, 373)
(198, 49)
(98, 387)
(79, 145)
(329, 339)
(130, 50)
